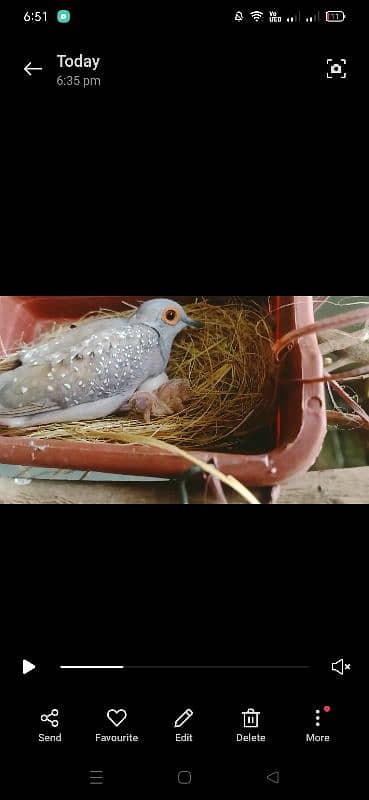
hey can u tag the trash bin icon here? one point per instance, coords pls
(251, 718)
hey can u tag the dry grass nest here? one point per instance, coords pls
(229, 364)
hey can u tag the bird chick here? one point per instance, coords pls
(170, 398)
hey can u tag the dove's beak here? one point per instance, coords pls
(193, 323)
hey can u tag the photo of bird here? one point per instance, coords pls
(96, 368)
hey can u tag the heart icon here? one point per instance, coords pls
(117, 716)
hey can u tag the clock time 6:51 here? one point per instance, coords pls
(35, 16)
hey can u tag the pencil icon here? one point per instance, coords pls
(183, 718)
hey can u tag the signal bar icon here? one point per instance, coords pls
(313, 18)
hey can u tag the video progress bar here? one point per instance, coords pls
(184, 666)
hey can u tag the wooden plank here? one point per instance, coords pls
(84, 492)
(331, 487)
(94, 493)
(47, 473)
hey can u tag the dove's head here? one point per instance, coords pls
(166, 316)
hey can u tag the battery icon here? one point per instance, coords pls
(335, 16)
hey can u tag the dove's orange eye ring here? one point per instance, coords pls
(171, 316)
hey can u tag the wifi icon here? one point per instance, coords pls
(257, 15)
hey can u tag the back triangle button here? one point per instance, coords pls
(273, 777)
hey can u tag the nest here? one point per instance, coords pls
(230, 366)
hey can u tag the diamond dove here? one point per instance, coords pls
(92, 370)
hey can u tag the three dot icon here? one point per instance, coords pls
(326, 710)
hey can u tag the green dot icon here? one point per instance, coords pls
(63, 15)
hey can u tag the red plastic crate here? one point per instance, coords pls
(300, 416)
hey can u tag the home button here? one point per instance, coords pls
(184, 777)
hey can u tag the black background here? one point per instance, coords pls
(143, 589)
(209, 146)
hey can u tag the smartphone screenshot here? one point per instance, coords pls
(170, 87)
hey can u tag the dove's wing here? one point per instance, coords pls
(87, 364)
(84, 339)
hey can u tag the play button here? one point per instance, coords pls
(27, 666)
(273, 777)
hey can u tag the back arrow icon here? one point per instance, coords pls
(28, 69)
(273, 777)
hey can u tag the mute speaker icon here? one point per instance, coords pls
(338, 666)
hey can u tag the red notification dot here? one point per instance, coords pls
(327, 709)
